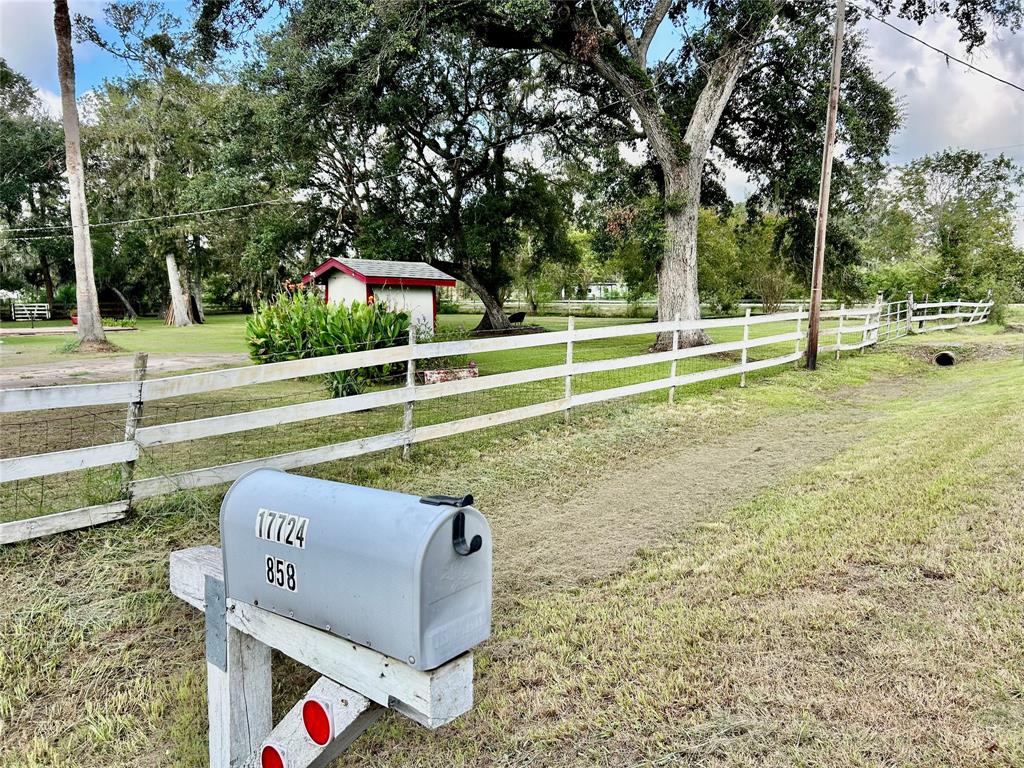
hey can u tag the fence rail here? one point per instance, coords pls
(20, 311)
(869, 325)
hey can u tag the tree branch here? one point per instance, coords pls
(723, 74)
(650, 30)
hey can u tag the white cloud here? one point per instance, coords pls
(947, 104)
(737, 183)
(27, 39)
(50, 101)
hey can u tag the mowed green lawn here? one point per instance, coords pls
(860, 607)
(226, 334)
(220, 333)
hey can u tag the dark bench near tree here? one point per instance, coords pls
(517, 318)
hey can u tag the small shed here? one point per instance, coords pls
(410, 286)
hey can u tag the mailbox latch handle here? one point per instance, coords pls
(459, 536)
(448, 501)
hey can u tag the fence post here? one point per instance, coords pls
(675, 348)
(743, 352)
(410, 385)
(799, 317)
(131, 423)
(910, 312)
(839, 330)
(568, 362)
(879, 304)
(870, 336)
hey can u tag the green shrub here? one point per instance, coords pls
(304, 325)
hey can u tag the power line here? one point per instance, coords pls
(949, 56)
(156, 218)
(995, 149)
(68, 235)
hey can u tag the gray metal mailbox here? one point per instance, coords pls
(407, 576)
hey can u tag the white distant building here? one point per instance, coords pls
(410, 286)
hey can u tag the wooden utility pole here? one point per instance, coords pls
(824, 188)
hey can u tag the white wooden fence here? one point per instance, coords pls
(946, 315)
(21, 311)
(862, 325)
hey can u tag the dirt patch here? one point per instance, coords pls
(628, 508)
(69, 370)
(96, 348)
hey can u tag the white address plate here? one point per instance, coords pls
(282, 528)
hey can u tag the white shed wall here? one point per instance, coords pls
(418, 301)
(344, 289)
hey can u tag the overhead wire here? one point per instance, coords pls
(161, 217)
(624, 101)
(949, 56)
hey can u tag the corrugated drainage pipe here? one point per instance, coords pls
(944, 358)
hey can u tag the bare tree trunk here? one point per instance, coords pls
(44, 267)
(677, 273)
(494, 318)
(195, 281)
(44, 262)
(681, 161)
(177, 314)
(90, 326)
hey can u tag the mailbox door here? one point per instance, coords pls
(455, 592)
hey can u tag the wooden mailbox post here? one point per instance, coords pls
(357, 683)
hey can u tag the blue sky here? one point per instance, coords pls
(946, 105)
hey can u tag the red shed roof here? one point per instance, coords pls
(379, 272)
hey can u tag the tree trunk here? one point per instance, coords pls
(90, 326)
(44, 267)
(494, 318)
(196, 293)
(677, 272)
(177, 315)
(681, 160)
(195, 281)
(127, 305)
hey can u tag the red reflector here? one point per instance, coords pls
(316, 716)
(272, 757)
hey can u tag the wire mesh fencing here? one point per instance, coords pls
(299, 407)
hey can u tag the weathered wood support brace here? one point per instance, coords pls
(359, 680)
(352, 715)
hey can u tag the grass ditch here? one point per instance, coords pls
(763, 634)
